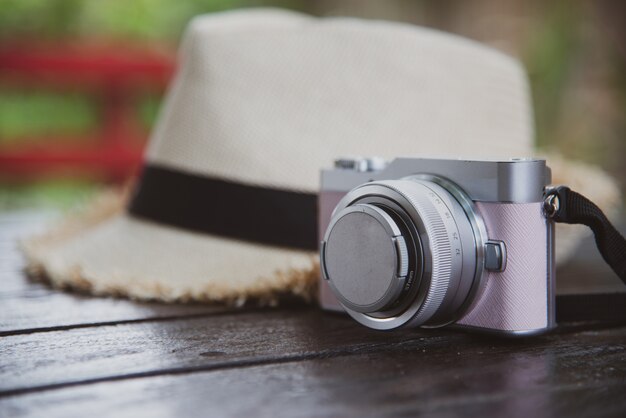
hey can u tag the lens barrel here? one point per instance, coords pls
(405, 252)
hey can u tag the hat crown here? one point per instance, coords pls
(269, 97)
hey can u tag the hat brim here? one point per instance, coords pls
(124, 256)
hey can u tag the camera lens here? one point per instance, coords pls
(404, 252)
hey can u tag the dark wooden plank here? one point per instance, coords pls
(46, 311)
(70, 356)
(43, 359)
(579, 374)
(50, 311)
(600, 307)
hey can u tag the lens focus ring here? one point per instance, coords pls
(441, 230)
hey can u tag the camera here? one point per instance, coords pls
(420, 242)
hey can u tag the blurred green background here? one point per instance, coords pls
(573, 51)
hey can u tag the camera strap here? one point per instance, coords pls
(564, 205)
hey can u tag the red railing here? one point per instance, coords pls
(114, 75)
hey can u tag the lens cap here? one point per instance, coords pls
(365, 258)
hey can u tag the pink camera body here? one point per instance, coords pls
(500, 280)
(521, 297)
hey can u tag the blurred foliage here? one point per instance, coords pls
(111, 19)
(149, 109)
(578, 79)
(57, 193)
(551, 48)
(33, 114)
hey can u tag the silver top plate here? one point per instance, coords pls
(517, 180)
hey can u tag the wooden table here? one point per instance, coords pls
(70, 355)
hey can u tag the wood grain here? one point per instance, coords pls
(73, 356)
(57, 311)
(70, 357)
(574, 374)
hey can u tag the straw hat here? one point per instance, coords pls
(261, 101)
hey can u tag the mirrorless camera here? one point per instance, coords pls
(432, 242)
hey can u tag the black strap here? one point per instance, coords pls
(567, 206)
(226, 208)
